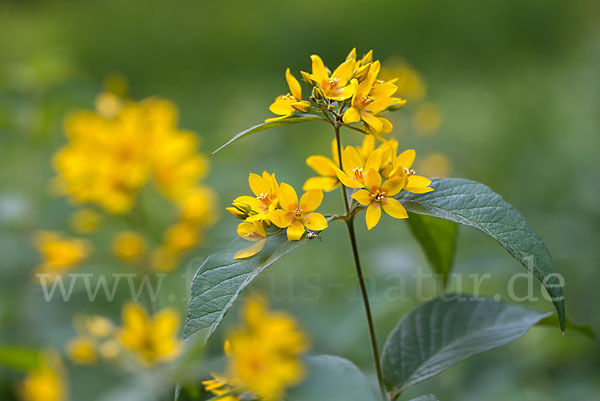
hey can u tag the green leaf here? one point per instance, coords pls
(443, 332)
(428, 397)
(438, 240)
(300, 118)
(20, 358)
(475, 205)
(220, 280)
(331, 378)
(582, 329)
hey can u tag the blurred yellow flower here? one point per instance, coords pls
(182, 236)
(46, 383)
(286, 105)
(85, 221)
(410, 83)
(198, 206)
(296, 216)
(59, 254)
(164, 259)
(128, 246)
(427, 119)
(263, 354)
(110, 156)
(219, 387)
(82, 350)
(151, 340)
(435, 164)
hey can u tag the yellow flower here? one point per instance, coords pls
(128, 246)
(85, 221)
(325, 167)
(294, 215)
(263, 354)
(427, 119)
(98, 326)
(199, 206)
(251, 231)
(218, 386)
(378, 196)
(401, 169)
(286, 105)
(182, 236)
(370, 98)
(59, 254)
(338, 86)
(355, 169)
(409, 81)
(46, 383)
(151, 340)
(82, 350)
(266, 192)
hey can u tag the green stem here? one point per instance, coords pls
(361, 281)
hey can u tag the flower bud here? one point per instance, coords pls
(307, 79)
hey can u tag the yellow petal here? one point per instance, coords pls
(302, 106)
(345, 71)
(258, 185)
(362, 196)
(406, 158)
(352, 54)
(373, 180)
(351, 159)
(287, 197)
(319, 71)
(373, 122)
(311, 200)
(251, 250)
(346, 92)
(374, 161)
(283, 105)
(268, 120)
(321, 164)
(394, 208)
(295, 88)
(368, 145)
(314, 221)
(418, 184)
(321, 183)
(295, 231)
(387, 126)
(373, 215)
(393, 185)
(280, 218)
(351, 115)
(347, 180)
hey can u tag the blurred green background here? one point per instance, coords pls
(516, 81)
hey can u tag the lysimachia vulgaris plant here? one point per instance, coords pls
(375, 178)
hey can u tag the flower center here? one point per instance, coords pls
(358, 173)
(333, 83)
(409, 172)
(378, 196)
(297, 212)
(366, 100)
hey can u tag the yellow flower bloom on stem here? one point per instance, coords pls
(59, 254)
(355, 169)
(286, 105)
(266, 192)
(151, 340)
(128, 246)
(378, 196)
(371, 98)
(82, 350)
(251, 231)
(46, 383)
(294, 215)
(325, 167)
(401, 169)
(264, 354)
(338, 86)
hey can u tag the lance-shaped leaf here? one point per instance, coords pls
(443, 332)
(300, 118)
(331, 378)
(437, 237)
(221, 278)
(474, 204)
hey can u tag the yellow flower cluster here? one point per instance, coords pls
(46, 382)
(276, 205)
(150, 340)
(263, 355)
(352, 91)
(59, 254)
(378, 174)
(114, 152)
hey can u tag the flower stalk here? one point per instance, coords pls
(349, 219)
